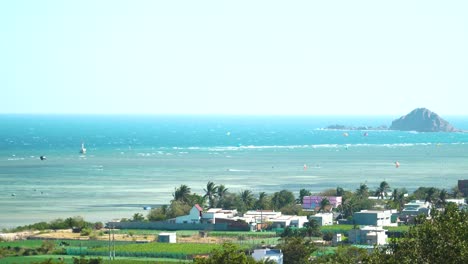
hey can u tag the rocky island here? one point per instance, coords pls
(422, 120)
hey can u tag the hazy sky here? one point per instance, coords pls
(236, 57)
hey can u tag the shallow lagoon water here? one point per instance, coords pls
(136, 162)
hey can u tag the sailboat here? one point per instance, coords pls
(83, 149)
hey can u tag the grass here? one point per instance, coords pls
(336, 228)
(184, 248)
(71, 242)
(69, 260)
(22, 243)
(241, 233)
(397, 228)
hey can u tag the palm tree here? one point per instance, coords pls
(261, 202)
(339, 191)
(210, 192)
(312, 228)
(382, 190)
(247, 198)
(442, 198)
(324, 204)
(221, 192)
(302, 193)
(363, 190)
(430, 195)
(182, 193)
(398, 198)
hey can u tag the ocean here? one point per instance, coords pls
(137, 161)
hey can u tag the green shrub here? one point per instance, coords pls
(85, 232)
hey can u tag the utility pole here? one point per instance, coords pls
(113, 245)
(109, 230)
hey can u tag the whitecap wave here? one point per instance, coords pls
(216, 149)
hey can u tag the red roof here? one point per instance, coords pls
(199, 207)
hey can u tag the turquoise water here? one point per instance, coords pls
(134, 161)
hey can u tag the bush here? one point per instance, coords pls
(85, 232)
(328, 236)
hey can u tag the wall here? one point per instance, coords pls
(172, 226)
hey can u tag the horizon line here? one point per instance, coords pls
(219, 114)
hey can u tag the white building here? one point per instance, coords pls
(167, 238)
(323, 219)
(370, 235)
(374, 217)
(415, 208)
(456, 201)
(212, 214)
(265, 215)
(193, 217)
(289, 220)
(268, 254)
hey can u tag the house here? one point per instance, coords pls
(456, 201)
(416, 207)
(259, 216)
(167, 238)
(193, 217)
(370, 235)
(268, 254)
(374, 217)
(323, 219)
(212, 214)
(288, 220)
(313, 202)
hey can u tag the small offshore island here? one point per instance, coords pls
(419, 120)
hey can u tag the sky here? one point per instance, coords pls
(234, 57)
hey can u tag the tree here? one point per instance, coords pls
(158, 214)
(344, 254)
(221, 193)
(397, 200)
(442, 239)
(382, 190)
(302, 193)
(296, 250)
(228, 254)
(194, 198)
(430, 195)
(442, 200)
(339, 191)
(324, 204)
(263, 201)
(182, 193)
(247, 199)
(210, 192)
(137, 217)
(363, 191)
(456, 193)
(312, 228)
(282, 199)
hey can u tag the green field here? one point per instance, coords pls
(69, 242)
(336, 228)
(183, 248)
(69, 260)
(22, 243)
(397, 228)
